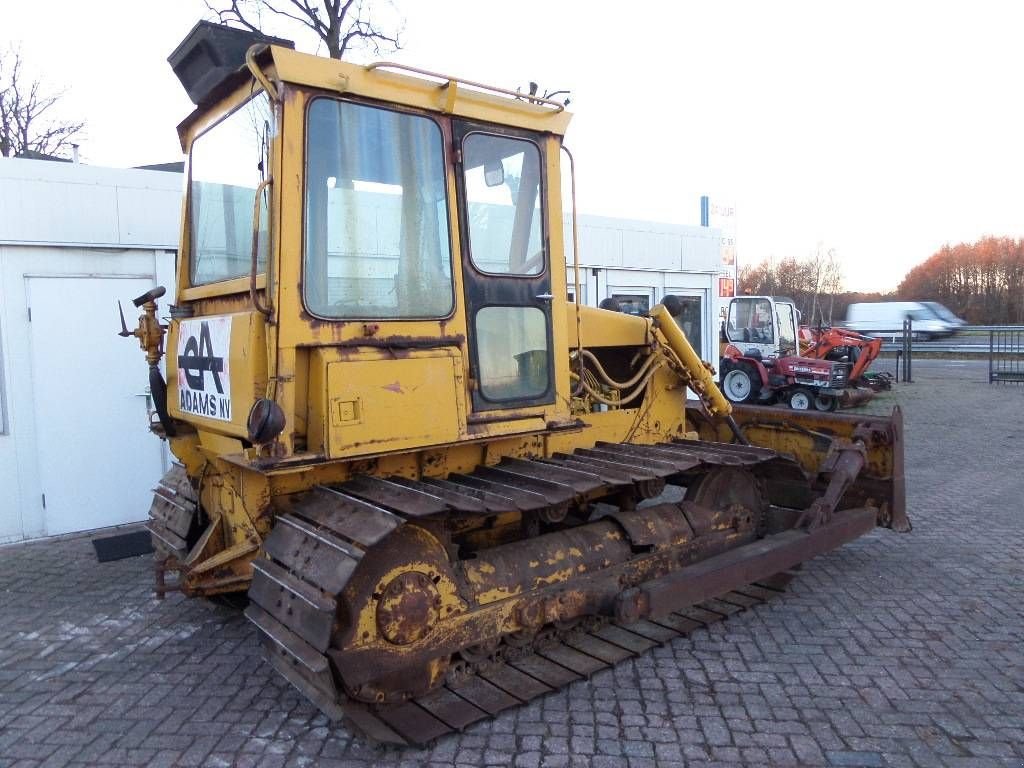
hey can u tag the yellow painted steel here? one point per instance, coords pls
(700, 377)
(393, 397)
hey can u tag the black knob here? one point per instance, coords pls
(151, 295)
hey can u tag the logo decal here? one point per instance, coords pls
(204, 381)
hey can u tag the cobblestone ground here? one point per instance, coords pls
(898, 650)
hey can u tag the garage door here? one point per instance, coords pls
(97, 460)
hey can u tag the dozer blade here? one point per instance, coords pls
(808, 437)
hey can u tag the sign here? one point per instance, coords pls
(726, 286)
(204, 376)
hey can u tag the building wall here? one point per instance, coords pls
(62, 219)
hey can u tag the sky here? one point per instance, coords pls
(881, 130)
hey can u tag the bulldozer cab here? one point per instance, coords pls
(405, 227)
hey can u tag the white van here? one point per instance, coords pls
(885, 318)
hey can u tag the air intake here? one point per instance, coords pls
(210, 53)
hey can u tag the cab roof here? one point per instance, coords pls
(391, 83)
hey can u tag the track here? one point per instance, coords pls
(518, 676)
(320, 537)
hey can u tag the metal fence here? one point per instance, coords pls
(1006, 355)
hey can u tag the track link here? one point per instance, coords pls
(320, 536)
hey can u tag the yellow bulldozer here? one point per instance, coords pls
(445, 486)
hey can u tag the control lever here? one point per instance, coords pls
(150, 295)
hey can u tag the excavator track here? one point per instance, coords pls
(321, 536)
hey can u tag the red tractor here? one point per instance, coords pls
(761, 361)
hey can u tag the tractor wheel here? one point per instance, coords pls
(800, 400)
(825, 403)
(738, 385)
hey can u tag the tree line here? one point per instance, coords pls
(982, 282)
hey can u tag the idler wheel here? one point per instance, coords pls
(408, 608)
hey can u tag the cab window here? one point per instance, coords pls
(750, 320)
(503, 192)
(787, 328)
(377, 242)
(226, 164)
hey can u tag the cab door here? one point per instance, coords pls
(506, 266)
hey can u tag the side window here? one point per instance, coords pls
(503, 193)
(787, 327)
(226, 164)
(750, 320)
(512, 344)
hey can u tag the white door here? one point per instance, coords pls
(97, 460)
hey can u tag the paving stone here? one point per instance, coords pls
(897, 650)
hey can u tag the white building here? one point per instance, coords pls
(640, 262)
(75, 453)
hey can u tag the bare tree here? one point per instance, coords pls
(342, 25)
(25, 118)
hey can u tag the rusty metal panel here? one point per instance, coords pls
(414, 723)
(656, 632)
(740, 599)
(674, 621)
(611, 474)
(553, 492)
(656, 526)
(404, 501)
(512, 681)
(598, 648)
(751, 454)
(166, 540)
(523, 498)
(703, 615)
(482, 694)
(678, 462)
(580, 663)
(646, 483)
(392, 404)
(494, 503)
(302, 608)
(656, 466)
(369, 724)
(459, 501)
(320, 557)
(625, 639)
(173, 515)
(752, 562)
(755, 592)
(580, 481)
(548, 672)
(722, 607)
(451, 709)
(349, 517)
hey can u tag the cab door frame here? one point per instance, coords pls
(483, 290)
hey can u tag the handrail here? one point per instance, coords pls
(517, 95)
(268, 309)
(259, 74)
